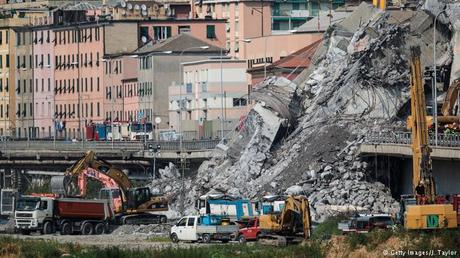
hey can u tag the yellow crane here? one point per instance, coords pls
(430, 215)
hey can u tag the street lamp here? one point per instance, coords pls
(222, 88)
(435, 93)
(182, 158)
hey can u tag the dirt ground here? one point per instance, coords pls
(134, 241)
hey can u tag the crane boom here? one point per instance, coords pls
(421, 160)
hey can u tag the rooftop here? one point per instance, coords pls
(183, 42)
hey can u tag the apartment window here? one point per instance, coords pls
(31, 107)
(7, 61)
(18, 89)
(7, 107)
(7, 85)
(239, 102)
(97, 84)
(98, 109)
(210, 31)
(91, 110)
(18, 38)
(1, 84)
(91, 84)
(1, 111)
(7, 34)
(1, 61)
(49, 84)
(48, 36)
(183, 29)
(1, 39)
(36, 84)
(24, 112)
(43, 84)
(161, 32)
(49, 59)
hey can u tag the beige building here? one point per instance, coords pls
(215, 97)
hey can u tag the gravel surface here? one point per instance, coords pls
(133, 241)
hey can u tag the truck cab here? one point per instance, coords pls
(190, 228)
(34, 213)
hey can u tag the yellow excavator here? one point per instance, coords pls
(292, 224)
(132, 205)
(428, 214)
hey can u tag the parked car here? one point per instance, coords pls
(190, 228)
(249, 230)
(366, 223)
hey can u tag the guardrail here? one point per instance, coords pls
(444, 140)
(108, 146)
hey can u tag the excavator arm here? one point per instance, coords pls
(421, 161)
(89, 166)
(451, 98)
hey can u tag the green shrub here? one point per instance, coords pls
(356, 240)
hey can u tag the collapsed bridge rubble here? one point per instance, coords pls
(302, 136)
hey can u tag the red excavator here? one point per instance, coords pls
(132, 205)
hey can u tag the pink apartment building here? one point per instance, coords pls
(43, 71)
(78, 77)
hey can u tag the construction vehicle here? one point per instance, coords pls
(213, 206)
(49, 213)
(429, 215)
(292, 224)
(131, 205)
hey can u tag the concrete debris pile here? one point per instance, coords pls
(169, 183)
(360, 82)
(151, 229)
(249, 148)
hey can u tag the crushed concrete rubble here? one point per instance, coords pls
(359, 83)
(152, 229)
(7, 227)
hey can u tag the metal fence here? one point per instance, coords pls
(444, 140)
(108, 145)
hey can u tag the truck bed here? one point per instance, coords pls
(82, 209)
(213, 229)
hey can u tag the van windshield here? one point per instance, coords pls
(28, 204)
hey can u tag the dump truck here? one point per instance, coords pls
(47, 214)
(191, 228)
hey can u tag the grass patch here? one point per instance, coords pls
(11, 247)
(159, 239)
